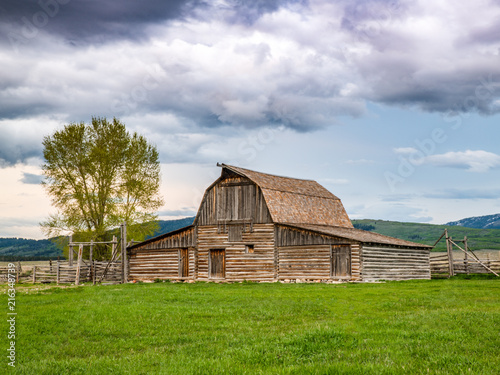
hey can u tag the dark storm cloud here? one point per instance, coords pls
(15, 150)
(97, 21)
(80, 21)
(225, 64)
(249, 11)
(405, 69)
(486, 34)
(31, 179)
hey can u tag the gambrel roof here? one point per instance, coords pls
(296, 201)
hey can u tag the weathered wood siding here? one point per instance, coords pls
(386, 263)
(314, 262)
(163, 264)
(161, 258)
(287, 236)
(256, 266)
(300, 262)
(178, 239)
(303, 254)
(233, 199)
(356, 262)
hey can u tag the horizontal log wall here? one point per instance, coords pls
(386, 263)
(313, 262)
(159, 264)
(356, 262)
(299, 262)
(257, 266)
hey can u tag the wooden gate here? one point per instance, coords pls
(217, 263)
(183, 263)
(341, 261)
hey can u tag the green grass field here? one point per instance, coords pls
(414, 327)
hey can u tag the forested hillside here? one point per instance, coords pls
(13, 248)
(429, 233)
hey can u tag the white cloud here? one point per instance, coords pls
(473, 161)
(390, 211)
(405, 150)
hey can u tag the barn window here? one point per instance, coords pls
(235, 232)
(249, 249)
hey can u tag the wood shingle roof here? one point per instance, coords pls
(297, 201)
(359, 235)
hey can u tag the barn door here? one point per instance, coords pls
(217, 263)
(183, 263)
(340, 261)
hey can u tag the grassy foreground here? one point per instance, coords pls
(415, 327)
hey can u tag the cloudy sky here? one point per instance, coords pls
(392, 105)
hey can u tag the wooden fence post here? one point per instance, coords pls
(449, 249)
(19, 270)
(58, 272)
(70, 251)
(124, 267)
(91, 261)
(466, 256)
(34, 274)
(78, 265)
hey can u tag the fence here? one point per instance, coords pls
(61, 272)
(440, 265)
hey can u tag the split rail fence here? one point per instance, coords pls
(440, 266)
(447, 264)
(61, 272)
(114, 270)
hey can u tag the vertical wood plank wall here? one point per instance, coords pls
(233, 199)
(257, 266)
(386, 263)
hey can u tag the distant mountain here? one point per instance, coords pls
(170, 225)
(12, 248)
(481, 222)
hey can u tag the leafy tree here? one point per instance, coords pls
(98, 175)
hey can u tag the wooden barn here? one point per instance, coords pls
(261, 227)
